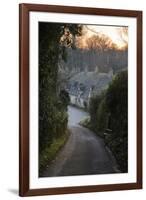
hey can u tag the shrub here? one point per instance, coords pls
(65, 98)
(93, 108)
(85, 122)
(102, 117)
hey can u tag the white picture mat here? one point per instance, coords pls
(49, 182)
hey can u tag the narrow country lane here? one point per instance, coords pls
(84, 153)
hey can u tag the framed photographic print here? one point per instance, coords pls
(80, 99)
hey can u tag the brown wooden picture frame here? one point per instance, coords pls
(24, 188)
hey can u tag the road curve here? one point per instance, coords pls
(84, 153)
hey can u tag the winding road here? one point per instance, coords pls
(84, 153)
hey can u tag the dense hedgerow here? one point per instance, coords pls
(112, 106)
(53, 116)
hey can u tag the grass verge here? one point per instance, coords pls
(49, 153)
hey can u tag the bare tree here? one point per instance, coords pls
(100, 42)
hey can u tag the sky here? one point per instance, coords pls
(113, 32)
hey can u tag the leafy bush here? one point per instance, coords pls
(102, 116)
(93, 108)
(85, 122)
(65, 98)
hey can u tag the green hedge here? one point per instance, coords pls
(114, 103)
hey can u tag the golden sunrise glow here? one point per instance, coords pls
(118, 35)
